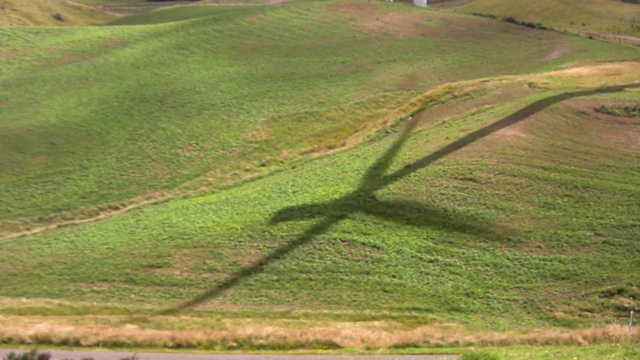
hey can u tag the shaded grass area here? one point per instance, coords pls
(554, 194)
(93, 117)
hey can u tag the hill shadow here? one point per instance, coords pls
(363, 199)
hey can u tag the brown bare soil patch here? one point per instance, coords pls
(617, 132)
(516, 130)
(410, 82)
(100, 285)
(398, 24)
(259, 133)
(560, 51)
(359, 252)
(106, 286)
(181, 261)
(540, 247)
(8, 54)
(251, 252)
(110, 43)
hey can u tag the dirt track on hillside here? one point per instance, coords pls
(579, 71)
(131, 4)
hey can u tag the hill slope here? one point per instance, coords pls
(49, 13)
(94, 119)
(508, 202)
(488, 178)
(607, 16)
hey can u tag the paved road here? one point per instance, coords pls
(112, 355)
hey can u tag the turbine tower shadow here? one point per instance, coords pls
(363, 200)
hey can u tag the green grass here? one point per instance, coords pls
(607, 16)
(94, 117)
(554, 352)
(509, 203)
(625, 110)
(508, 231)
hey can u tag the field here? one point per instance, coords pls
(205, 114)
(302, 176)
(49, 13)
(590, 17)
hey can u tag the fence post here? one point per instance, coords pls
(631, 325)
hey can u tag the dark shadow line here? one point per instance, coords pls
(250, 271)
(494, 127)
(377, 170)
(409, 213)
(370, 184)
(413, 214)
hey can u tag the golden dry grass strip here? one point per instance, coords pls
(295, 334)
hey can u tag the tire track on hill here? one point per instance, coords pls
(102, 215)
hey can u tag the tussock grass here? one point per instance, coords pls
(294, 335)
(623, 110)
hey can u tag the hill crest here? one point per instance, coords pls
(49, 13)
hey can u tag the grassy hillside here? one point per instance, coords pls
(507, 203)
(607, 16)
(49, 13)
(94, 119)
(333, 174)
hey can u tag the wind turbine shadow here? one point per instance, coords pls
(363, 199)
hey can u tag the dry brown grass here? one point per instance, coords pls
(249, 333)
(41, 13)
(398, 24)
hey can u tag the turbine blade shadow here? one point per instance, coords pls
(302, 212)
(498, 125)
(376, 171)
(422, 215)
(250, 271)
(363, 200)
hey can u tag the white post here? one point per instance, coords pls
(421, 3)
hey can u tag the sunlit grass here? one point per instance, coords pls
(94, 119)
(307, 200)
(554, 200)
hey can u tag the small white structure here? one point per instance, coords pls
(421, 3)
